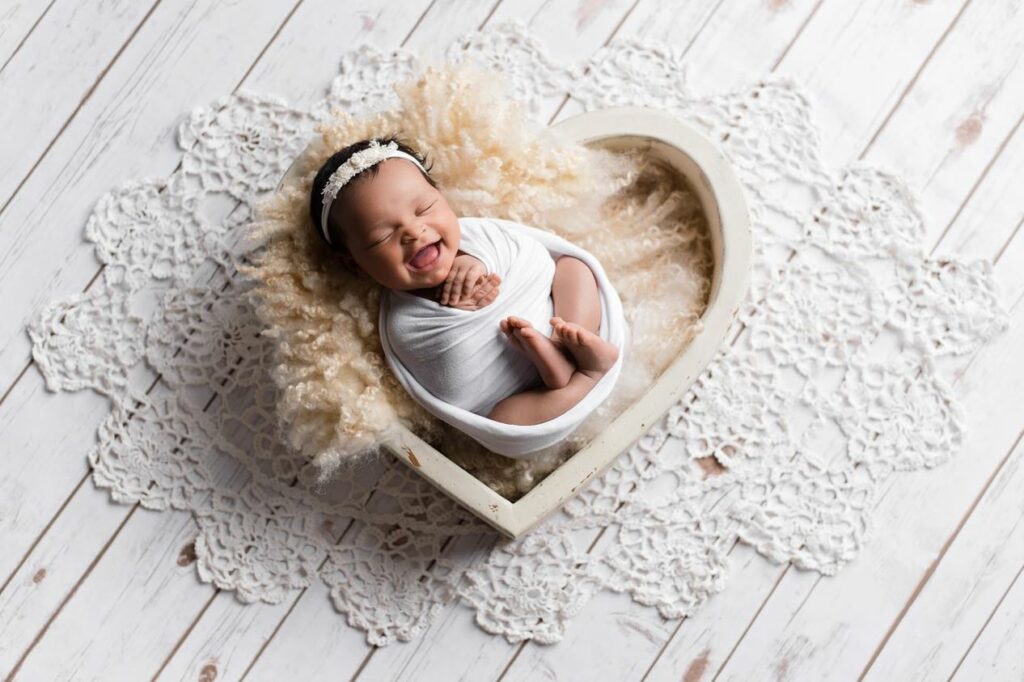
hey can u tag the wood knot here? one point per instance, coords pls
(695, 671)
(187, 554)
(969, 131)
(710, 465)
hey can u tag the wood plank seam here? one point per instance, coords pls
(592, 545)
(26, 36)
(103, 266)
(550, 121)
(931, 568)
(987, 621)
(938, 559)
(368, 498)
(739, 332)
(914, 79)
(71, 117)
(42, 533)
(757, 614)
(927, 574)
(225, 285)
(69, 596)
(132, 509)
(872, 140)
(710, 15)
(796, 36)
(978, 182)
(565, 99)
(82, 103)
(891, 486)
(962, 206)
(147, 391)
(1013, 235)
(186, 633)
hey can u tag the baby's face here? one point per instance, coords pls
(389, 218)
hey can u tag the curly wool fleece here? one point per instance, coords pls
(337, 396)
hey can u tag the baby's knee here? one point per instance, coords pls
(573, 265)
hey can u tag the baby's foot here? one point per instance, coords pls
(555, 368)
(594, 355)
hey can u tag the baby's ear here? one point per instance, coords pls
(349, 261)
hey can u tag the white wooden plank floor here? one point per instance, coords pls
(90, 97)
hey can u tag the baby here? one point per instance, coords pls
(376, 205)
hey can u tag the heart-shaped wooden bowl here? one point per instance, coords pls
(721, 196)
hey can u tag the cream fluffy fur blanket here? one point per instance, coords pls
(337, 395)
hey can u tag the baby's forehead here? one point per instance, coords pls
(368, 198)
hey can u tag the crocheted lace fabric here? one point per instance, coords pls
(829, 383)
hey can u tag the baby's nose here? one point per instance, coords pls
(414, 233)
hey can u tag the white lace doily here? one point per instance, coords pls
(831, 386)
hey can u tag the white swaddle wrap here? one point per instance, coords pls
(458, 364)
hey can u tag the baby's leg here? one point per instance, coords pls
(536, 405)
(575, 295)
(577, 301)
(578, 317)
(594, 356)
(554, 367)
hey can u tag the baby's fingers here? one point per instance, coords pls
(446, 290)
(486, 294)
(489, 297)
(485, 284)
(488, 282)
(453, 287)
(486, 287)
(469, 286)
(459, 287)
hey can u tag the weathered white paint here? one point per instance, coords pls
(966, 588)
(968, 91)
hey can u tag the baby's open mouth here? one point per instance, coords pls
(426, 257)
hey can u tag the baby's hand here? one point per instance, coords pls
(464, 275)
(483, 294)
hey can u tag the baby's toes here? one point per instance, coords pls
(527, 332)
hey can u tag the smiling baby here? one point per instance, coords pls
(488, 317)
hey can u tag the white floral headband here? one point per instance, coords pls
(352, 167)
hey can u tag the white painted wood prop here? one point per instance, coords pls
(721, 196)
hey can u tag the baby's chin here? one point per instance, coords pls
(427, 280)
(437, 277)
